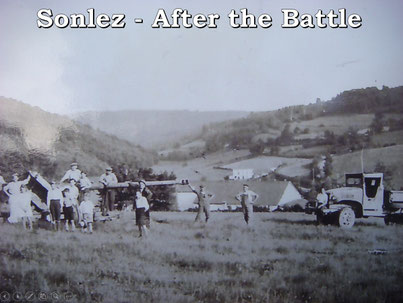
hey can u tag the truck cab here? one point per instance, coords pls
(372, 192)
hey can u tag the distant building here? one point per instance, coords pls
(241, 174)
(364, 131)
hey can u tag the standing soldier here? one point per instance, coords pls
(146, 193)
(14, 187)
(72, 173)
(70, 204)
(85, 184)
(73, 195)
(55, 203)
(247, 198)
(25, 204)
(203, 201)
(108, 195)
(13, 190)
(141, 206)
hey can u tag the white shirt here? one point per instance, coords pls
(55, 194)
(73, 191)
(322, 198)
(25, 199)
(85, 183)
(86, 207)
(14, 188)
(108, 179)
(72, 174)
(142, 203)
(69, 200)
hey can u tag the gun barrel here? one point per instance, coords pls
(134, 183)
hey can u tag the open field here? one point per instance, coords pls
(202, 168)
(264, 164)
(337, 124)
(298, 151)
(284, 258)
(395, 137)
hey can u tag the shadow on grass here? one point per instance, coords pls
(287, 221)
(313, 222)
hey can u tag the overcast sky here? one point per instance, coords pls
(139, 67)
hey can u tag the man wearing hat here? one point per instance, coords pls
(203, 201)
(108, 195)
(72, 173)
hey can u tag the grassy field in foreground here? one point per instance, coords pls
(284, 258)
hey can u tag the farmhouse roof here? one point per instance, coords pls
(270, 192)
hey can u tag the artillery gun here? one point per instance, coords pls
(363, 196)
(40, 188)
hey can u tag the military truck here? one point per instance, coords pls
(363, 196)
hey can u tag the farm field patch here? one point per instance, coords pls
(263, 164)
(202, 168)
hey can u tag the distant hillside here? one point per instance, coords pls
(37, 140)
(154, 128)
(355, 109)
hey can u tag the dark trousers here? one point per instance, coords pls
(247, 210)
(203, 207)
(55, 210)
(108, 201)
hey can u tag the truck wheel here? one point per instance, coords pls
(346, 218)
(387, 220)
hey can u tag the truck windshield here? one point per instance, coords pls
(353, 181)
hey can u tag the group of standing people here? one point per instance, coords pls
(246, 197)
(74, 200)
(63, 197)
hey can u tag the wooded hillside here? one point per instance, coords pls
(37, 140)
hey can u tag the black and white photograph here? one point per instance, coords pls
(201, 151)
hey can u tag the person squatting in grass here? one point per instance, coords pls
(141, 205)
(203, 202)
(69, 202)
(247, 198)
(54, 202)
(86, 209)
